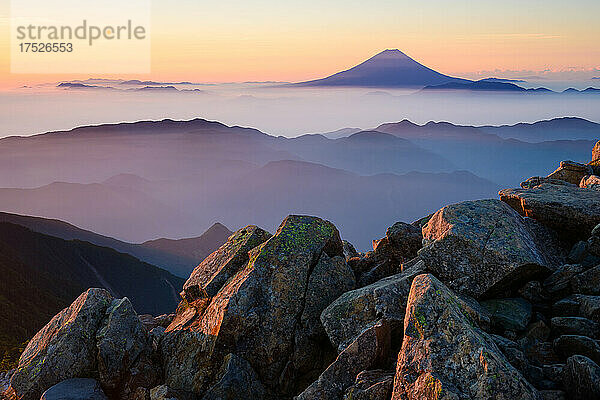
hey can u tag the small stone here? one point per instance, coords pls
(569, 345)
(587, 282)
(75, 389)
(578, 305)
(533, 292)
(552, 395)
(574, 326)
(371, 385)
(512, 314)
(559, 283)
(582, 378)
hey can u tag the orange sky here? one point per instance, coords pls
(297, 40)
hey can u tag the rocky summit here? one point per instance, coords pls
(486, 299)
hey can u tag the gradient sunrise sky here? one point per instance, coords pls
(257, 40)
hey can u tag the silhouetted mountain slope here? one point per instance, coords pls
(191, 250)
(178, 262)
(152, 150)
(571, 128)
(109, 209)
(484, 85)
(486, 154)
(390, 68)
(362, 205)
(366, 152)
(42, 274)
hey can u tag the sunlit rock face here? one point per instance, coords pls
(596, 152)
(445, 355)
(96, 335)
(267, 313)
(480, 247)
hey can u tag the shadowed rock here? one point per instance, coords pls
(400, 244)
(124, 351)
(444, 355)
(356, 310)
(582, 378)
(75, 389)
(587, 282)
(370, 349)
(569, 345)
(371, 385)
(512, 314)
(579, 305)
(236, 381)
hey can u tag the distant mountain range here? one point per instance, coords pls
(484, 85)
(176, 256)
(42, 274)
(500, 85)
(390, 68)
(140, 181)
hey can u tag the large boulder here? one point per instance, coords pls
(481, 248)
(267, 313)
(582, 378)
(371, 385)
(63, 349)
(445, 355)
(75, 389)
(96, 336)
(572, 211)
(222, 264)
(356, 310)
(369, 350)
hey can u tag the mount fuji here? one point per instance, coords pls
(390, 68)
